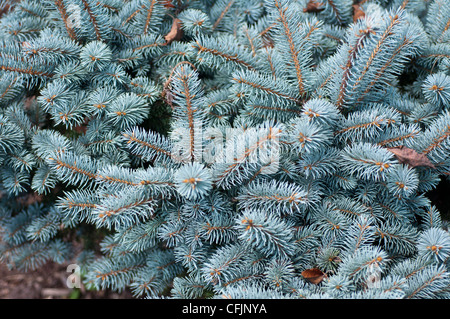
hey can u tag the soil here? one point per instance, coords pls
(47, 282)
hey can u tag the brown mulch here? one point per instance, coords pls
(47, 282)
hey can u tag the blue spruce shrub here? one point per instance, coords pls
(247, 149)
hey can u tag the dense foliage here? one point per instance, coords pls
(228, 148)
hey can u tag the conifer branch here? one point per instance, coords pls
(293, 51)
(224, 12)
(93, 19)
(64, 16)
